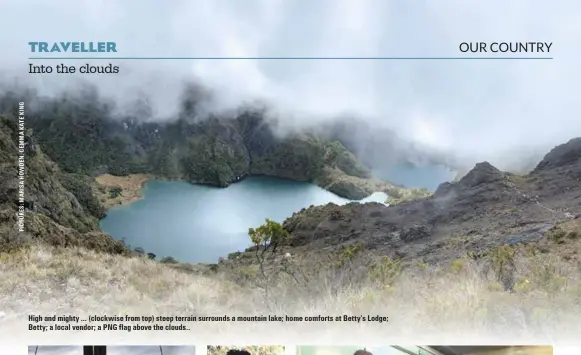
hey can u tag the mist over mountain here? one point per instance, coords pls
(133, 129)
(468, 110)
(378, 146)
(491, 253)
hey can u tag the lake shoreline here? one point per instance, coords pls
(132, 185)
(184, 209)
(131, 188)
(193, 214)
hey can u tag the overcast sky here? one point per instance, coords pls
(475, 107)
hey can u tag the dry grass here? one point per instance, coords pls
(447, 300)
(130, 188)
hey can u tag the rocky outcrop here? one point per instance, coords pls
(485, 208)
(558, 177)
(483, 173)
(563, 156)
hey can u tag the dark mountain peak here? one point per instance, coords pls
(443, 189)
(481, 173)
(567, 154)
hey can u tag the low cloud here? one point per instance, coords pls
(476, 109)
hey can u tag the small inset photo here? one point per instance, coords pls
(149, 350)
(332, 350)
(246, 350)
(111, 350)
(489, 350)
(424, 350)
(55, 350)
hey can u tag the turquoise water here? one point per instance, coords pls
(196, 223)
(415, 176)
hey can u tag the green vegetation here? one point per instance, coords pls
(299, 274)
(115, 192)
(269, 235)
(79, 136)
(347, 253)
(210, 160)
(79, 185)
(299, 158)
(458, 265)
(337, 156)
(168, 260)
(386, 271)
(84, 137)
(560, 235)
(513, 268)
(65, 211)
(399, 195)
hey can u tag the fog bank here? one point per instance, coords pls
(475, 109)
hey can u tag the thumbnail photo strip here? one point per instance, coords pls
(111, 350)
(424, 350)
(249, 350)
(291, 350)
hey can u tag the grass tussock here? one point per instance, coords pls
(541, 296)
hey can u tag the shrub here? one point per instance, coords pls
(168, 260)
(269, 235)
(115, 192)
(386, 271)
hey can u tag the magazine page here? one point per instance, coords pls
(290, 177)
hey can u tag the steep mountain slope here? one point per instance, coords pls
(61, 209)
(485, 208)
(83, 135)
